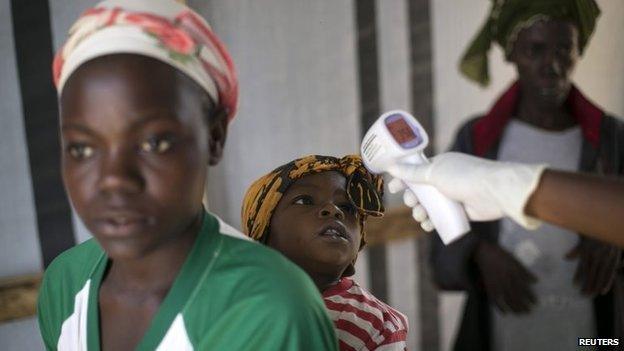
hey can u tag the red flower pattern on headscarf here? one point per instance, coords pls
(183, 35)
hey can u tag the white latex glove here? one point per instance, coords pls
(489, 190)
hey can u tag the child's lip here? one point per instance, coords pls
(336, 228)
(121, 223)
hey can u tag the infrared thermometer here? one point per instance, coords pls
(397, 137)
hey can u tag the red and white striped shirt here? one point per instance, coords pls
(362, 321)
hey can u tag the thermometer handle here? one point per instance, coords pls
(448, 217)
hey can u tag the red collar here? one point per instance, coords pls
(489, 128)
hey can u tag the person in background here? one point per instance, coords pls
(534, 289)
(146, 93)
(313, 210)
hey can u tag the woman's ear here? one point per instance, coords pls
(217, 133)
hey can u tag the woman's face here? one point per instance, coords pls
(545, 54)
(316, 226)
(136, 147)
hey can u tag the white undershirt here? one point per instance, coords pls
(562, 314)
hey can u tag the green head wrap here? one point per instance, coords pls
(508, 17)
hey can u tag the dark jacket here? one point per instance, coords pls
(453, 268)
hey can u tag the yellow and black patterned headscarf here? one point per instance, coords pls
(364, 189)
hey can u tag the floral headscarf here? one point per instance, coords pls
(161, 29)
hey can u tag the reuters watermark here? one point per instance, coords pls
(598, 342)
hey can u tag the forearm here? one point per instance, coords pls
(591, 205)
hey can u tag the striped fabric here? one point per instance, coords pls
(362, 321)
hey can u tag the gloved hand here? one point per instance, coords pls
(597, 266)
(506, 281)
(488, 189)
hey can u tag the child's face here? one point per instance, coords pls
(316, 226)
(135, 151)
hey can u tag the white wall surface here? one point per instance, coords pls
(21, 335)
(393, 49)
(297, 67)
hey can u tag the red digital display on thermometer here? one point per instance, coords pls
(402, 132)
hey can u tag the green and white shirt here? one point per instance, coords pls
(231, 294)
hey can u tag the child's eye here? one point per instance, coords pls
(303, 200)
(80, 151)
(157, 145)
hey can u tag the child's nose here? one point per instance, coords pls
(119, 173)
(331, 210)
